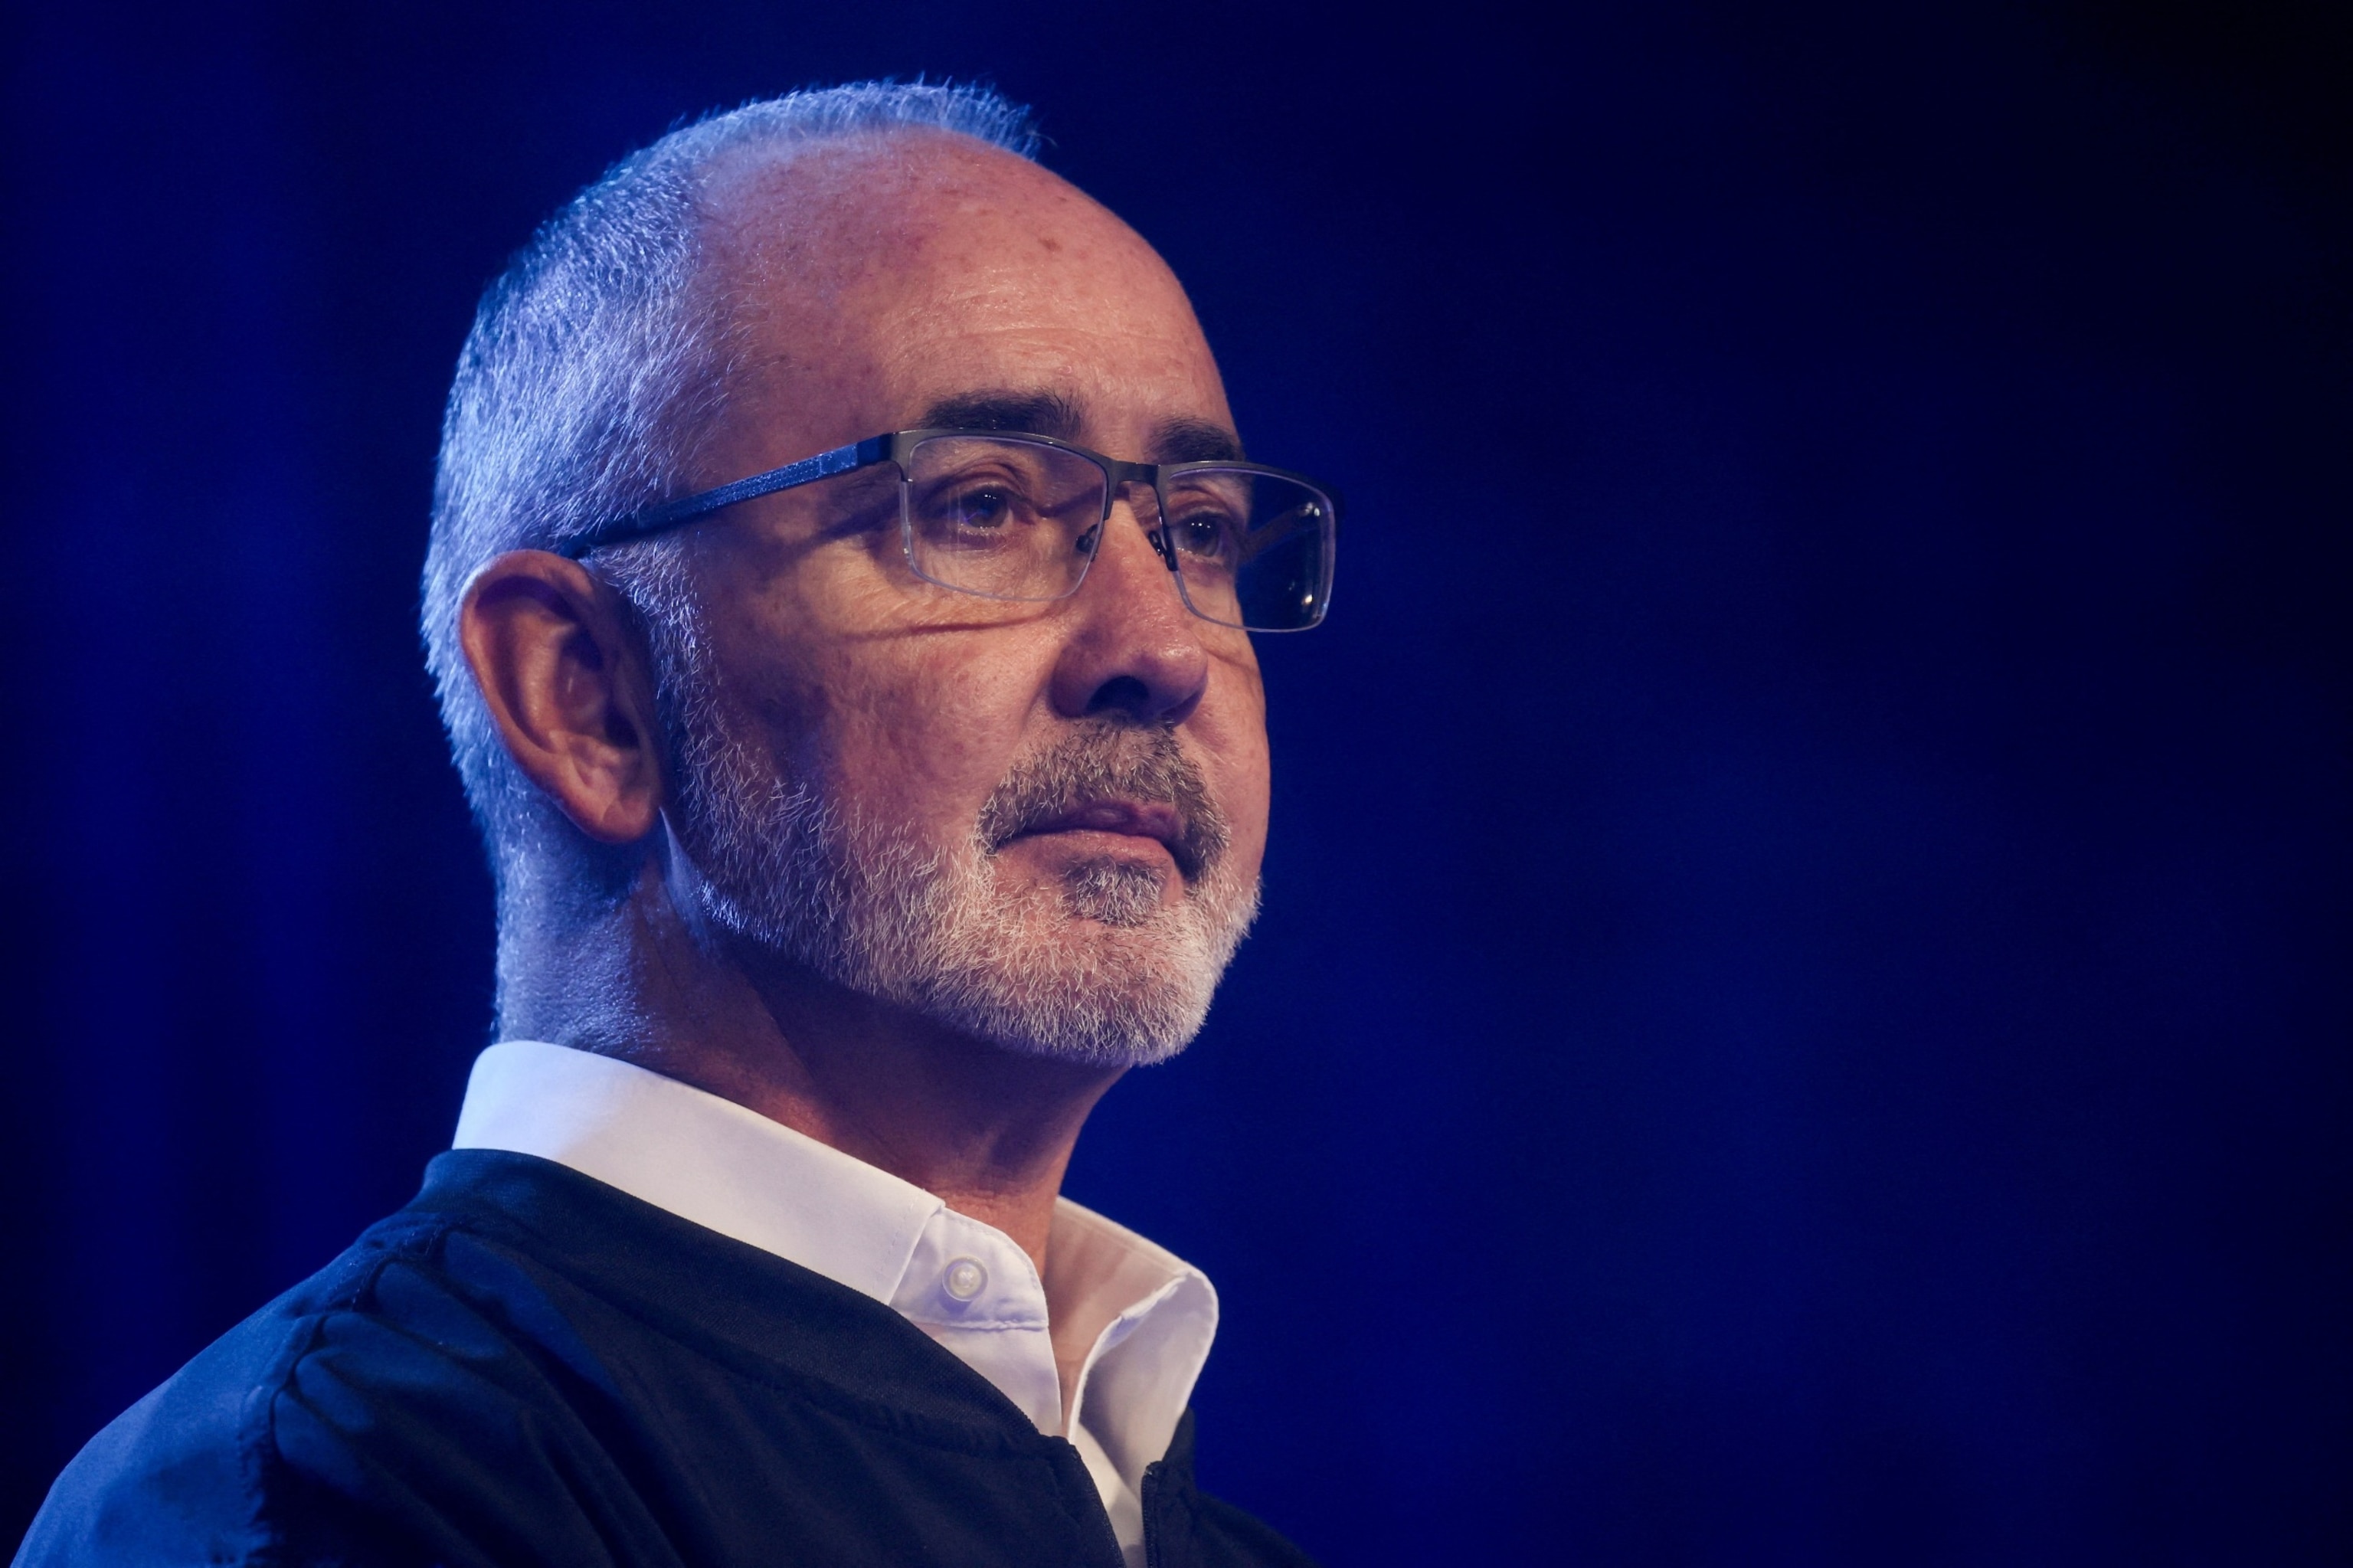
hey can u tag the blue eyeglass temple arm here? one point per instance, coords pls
(687, 508)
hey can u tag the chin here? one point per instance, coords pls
(1103, 970)
(1126, 894)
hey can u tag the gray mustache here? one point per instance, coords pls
(1102, 760)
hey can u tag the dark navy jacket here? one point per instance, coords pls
(526, 1366)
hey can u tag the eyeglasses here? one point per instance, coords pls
(1020, 517)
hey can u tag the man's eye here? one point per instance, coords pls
(1203, 533)
(983, 509)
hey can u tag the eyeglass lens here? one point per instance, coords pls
(1012, 519)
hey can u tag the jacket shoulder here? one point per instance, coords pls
(184, 1476)
(525, 1367)
(419, 1400)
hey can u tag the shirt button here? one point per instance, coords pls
(964, 1278)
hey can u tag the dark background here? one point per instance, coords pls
(1802, 1011)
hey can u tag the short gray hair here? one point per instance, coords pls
(593, 366)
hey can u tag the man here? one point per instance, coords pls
(872, 773)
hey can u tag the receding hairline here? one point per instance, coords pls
(890, 180)
(812, 225)
(752, 158)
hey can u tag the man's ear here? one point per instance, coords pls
(566, 683)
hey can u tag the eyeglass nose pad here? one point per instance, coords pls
(1143, 499)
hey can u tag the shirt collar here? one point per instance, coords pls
(723, 1166)
(1131, 1323)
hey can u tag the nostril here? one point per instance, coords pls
(1121, 693)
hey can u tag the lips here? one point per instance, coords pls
(1160, 821)
(1104, 776)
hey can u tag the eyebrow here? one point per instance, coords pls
(1057, 414)
(1195, 440)
(1052, 414)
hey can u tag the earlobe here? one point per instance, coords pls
(566, 683)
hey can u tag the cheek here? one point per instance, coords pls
(1230, 728)
(924, 729)
(903, 719)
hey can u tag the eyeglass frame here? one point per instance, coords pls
(897, 448)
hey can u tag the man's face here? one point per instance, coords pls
(1038, 823)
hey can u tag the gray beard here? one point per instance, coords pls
(1096, 968)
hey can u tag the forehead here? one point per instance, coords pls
(879, 277)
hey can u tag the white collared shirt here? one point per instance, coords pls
(1130, 1319)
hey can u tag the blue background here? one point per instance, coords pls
(1802, 1011)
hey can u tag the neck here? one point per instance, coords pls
(988, 1131)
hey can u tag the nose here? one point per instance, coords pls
(1133, 649)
